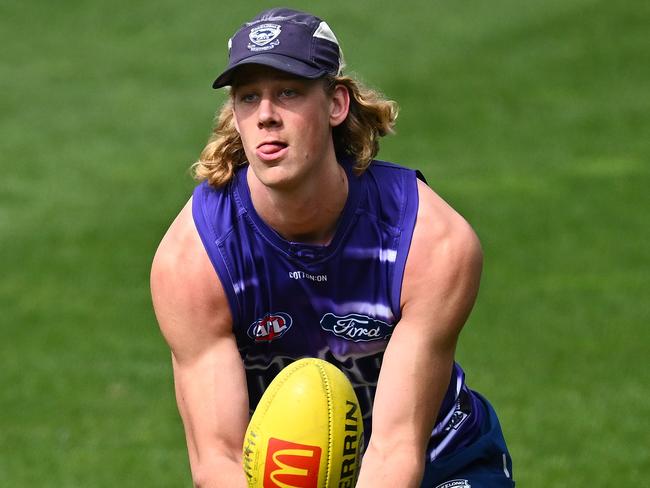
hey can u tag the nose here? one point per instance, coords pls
(268, 115)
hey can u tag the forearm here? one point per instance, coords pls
(392, 468)
(410, 390)
(214, 434)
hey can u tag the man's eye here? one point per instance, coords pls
(247, 97)
(288, 93)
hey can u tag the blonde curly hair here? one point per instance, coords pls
(371, 116)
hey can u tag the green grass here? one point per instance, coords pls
(531, 118)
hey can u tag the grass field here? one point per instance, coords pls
(531, 118)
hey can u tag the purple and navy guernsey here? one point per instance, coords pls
(338, 302)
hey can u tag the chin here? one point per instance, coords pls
(276, 176)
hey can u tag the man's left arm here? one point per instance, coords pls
(440, 284)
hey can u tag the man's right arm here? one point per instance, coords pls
(194, 317)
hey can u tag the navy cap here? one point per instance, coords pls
(289, 40)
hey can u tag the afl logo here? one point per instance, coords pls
(271, 327)
(263, 37)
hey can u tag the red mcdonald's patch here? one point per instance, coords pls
(291, 465)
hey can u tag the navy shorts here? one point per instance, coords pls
(485, 463)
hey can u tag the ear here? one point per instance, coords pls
(339, 105)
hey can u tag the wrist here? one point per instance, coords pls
(386, 466)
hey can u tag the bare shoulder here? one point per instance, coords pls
(444, 265)
(189, 301)
(438, 224)
(179, 250)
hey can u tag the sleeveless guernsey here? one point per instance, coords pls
(338, 302)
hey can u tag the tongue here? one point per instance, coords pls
(271, 148)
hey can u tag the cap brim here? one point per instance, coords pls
(277, 61)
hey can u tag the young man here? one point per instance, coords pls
(299, 244)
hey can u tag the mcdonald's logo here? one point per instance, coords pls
(291, 465)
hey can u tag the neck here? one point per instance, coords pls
(308, 213)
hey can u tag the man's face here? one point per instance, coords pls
(285, 123)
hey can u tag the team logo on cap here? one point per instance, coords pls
(264, 37)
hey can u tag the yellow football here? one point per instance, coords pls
(307, 430)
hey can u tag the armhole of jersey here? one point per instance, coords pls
(210, 243)
(407, 225)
